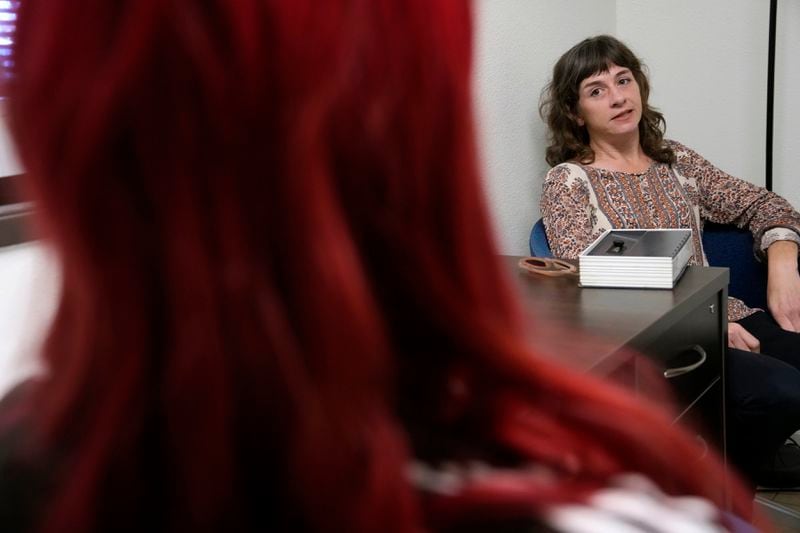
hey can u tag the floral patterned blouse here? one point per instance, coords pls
(580, 202)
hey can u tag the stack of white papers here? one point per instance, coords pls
(636, 258)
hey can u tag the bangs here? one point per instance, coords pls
(597, 56)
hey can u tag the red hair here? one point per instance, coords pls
(280, 284)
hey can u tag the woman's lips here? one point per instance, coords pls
(623, 115)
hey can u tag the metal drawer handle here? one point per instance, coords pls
(681, 370)
(703, 446)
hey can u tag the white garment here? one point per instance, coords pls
(633, 504)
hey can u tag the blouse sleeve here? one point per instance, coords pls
(567, 212)
(728, 200)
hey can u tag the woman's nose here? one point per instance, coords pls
(617, 97)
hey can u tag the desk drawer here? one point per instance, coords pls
(703, 417)
(704, 420)
(690, 352)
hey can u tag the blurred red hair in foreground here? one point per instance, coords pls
(280, 285)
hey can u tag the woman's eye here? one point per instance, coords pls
(594, 92)
(624, 81)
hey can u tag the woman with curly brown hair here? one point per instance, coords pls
(612, 168)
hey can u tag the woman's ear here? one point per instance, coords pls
(574, 115)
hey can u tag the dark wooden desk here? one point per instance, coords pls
(15, 213)
(596, 330)
(15, 220)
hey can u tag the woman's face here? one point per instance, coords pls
(610, 104)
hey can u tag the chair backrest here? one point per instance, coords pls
(732, 247)
(538, 241)
(725, 246)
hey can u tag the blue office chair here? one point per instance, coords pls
(538, 241)
(725, 246)
(729, 246)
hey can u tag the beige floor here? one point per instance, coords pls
(783, 507)
(786, 499)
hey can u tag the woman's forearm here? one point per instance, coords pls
(782, 258)
(783, 284)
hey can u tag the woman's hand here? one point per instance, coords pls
(783, 285)
(740, 338)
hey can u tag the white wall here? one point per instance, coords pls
(516, 44)
(786, 153)
(29, 283)
(707, 61)
(708, 68)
